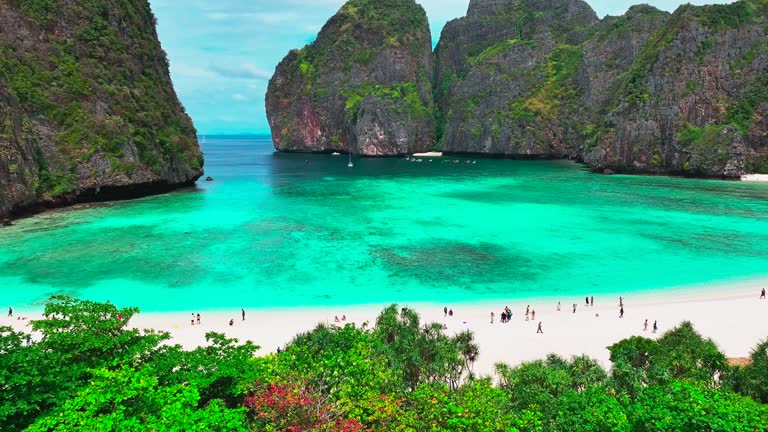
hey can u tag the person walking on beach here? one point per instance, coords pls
(193, 319)
(762, 294)
(231, 322)
(655, 326)
(621, 312)
(592, 301)
(533, 315)
(558, 306)
(198, 319)
(445, 311)
(574, 308)
(10, 311)
(586, 300)
(539, 331)
(492, 317)
(242, 312)
(621, 301)
(645, 326)
(450, 313)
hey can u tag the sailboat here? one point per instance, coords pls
(204, 141)
(350, 164)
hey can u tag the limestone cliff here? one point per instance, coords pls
(363, 86)
(644, 92)
(498, 70)
(648, 91)
(695, 99)
(87, 107)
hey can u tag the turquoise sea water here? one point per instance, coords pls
(278, 230)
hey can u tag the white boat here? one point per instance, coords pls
(204, 141)
(335, 154)
(350, 164)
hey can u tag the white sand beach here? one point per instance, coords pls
(732, 315)
(755, 178)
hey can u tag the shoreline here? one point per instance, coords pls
(756, 178)
(730, 314)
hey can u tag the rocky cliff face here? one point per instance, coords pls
(644, 92)
(499, 70)
(87, 107)
(648, 91)
(363, 86)
(695, 98)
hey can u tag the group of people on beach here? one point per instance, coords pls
(196, 318)
(655, 326)
(589, 301)
(343, 318)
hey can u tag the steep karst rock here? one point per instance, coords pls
(87, 107)
(500, 71)
(363, 86)
(695, 99)
(644, 92)
(647, 91)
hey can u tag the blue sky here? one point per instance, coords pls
(223, 52)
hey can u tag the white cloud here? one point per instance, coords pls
(243, 71)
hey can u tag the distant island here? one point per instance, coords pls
(647, 92)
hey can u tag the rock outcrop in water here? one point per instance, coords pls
(363, 86)
(87, 107)
(648, 91)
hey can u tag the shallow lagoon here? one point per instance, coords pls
(277, 230)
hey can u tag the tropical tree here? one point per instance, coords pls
(592, 410)
(688, 407)
(129, 400)
(76, 338)
(752, 380)
(681, 353)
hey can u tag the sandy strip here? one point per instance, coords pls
(755, 178)
(732, 315)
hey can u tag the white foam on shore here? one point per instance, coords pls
(730, 314)
(428, 154)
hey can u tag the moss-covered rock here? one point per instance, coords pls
(363, 86)
(87, 107)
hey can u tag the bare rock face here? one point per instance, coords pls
(695, 99)
(499, 71)
(364, 86)
(645, 92)
(87, 107)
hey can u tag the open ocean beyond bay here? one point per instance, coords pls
(281, 230)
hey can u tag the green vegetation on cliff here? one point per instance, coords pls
(402, 97)
(84, 369)
(362, 86)
(359, 30)
(92, 80)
